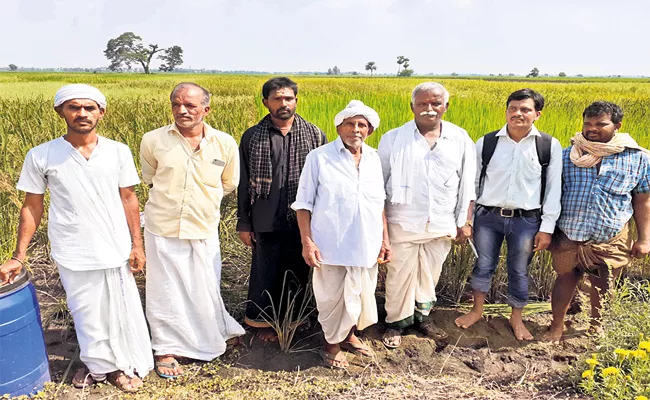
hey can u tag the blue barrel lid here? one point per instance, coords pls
(20, 282)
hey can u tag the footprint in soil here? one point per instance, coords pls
(411, 353)
(564, 358)
(474, 364)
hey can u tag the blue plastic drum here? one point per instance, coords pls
(23, 360)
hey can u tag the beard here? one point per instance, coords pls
(284, 113)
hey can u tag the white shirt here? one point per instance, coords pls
(346, 205)
(513, 177)
(444, 175)
(87, 225)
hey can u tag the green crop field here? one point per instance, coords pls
(139, 103)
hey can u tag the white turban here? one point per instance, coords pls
(354, 108)
(79, 91)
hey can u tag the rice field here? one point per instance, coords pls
(139, 103)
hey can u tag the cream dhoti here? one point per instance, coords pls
(413, 274)
(185, 310)
(345, 297)
(109, 322)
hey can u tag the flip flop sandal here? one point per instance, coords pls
(359, 349)
(121, 381)
(330, 359)
(392, 338)
(82, 379)
(170, 365)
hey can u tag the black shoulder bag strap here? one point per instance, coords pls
(489, 144)
(543, 145)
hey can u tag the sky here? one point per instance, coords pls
(597, 37)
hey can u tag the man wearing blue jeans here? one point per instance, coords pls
(514, 204)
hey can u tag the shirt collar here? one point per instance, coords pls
(533, 131)
(444, 130)
(338, 144)
(208, 131)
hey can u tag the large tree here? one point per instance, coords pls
(534, 73)
(127, 49)
(13, 67)
(171, 58)
(371, 66)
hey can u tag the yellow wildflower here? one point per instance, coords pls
(645, 345)
(639, 353)
(609, 371)
(640, 398)
(592, 362)
(588, 374)
(622, 353)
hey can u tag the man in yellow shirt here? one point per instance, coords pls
(189, 167)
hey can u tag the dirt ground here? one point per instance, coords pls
(484, 361)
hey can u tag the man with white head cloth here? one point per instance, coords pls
(95, 238)
(429, 167)
(339, 207)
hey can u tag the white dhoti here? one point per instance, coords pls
(110, 325)
(185, 310)
(345, 297)
(412, 274)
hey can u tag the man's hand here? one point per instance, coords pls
(542, 241)
(385, 253)
(9, 271)
(248, 238)
(463, 233)
(137, 260)
(311, 254)
(640, 249)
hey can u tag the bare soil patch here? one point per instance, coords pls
(484, 362)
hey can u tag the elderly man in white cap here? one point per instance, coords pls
(95, 238)
(339, 206)
(429, 167)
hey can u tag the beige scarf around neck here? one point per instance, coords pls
(587, 154)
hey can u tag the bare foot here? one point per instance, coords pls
(267, 335)
(468, 319)
(167, 365)
(520, 330)
(554, 334)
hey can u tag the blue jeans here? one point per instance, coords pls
(490, 229)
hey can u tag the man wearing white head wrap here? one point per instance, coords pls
(95, 239)
(354, 108)
(429, 166)
(339, 207)
(79, 91)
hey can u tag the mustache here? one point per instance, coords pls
(432, 113)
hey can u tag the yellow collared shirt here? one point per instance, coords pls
(188, 185)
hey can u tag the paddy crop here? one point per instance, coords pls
(139, 103)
